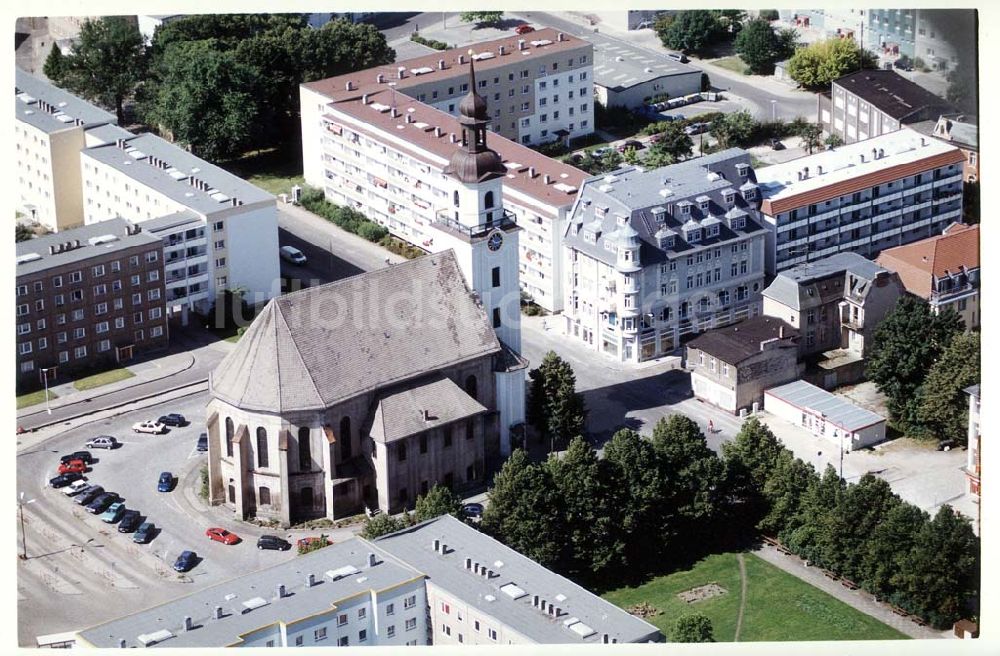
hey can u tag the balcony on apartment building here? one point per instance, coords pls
(851, 316)
(502, 219)
(949, 288)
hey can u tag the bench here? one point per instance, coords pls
(771, 541)
(899, 611)
(850, 585)
(830, 575)
(919, 620)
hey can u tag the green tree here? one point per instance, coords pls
(818, 64)
(750, 458)
(943, 410)
(833, 141)
(852, 523)
(381, 524)
(692, 30)
(107, 63)
(812, 136)
(693, 627)
(671, 146)
(759, 46)
(784, 490)
(733, 129)
(22, 232)
(555, 408)
(481, 17)
(906, 344)
(55, 66)
(637, 486)
(768, 14)
(438, 501)
(631, 155)
(816, 538)
(890, 543)
(963, 87)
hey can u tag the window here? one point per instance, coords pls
(492, 633)
(401, 452)
(22, 309)
(362, 635)
(79, 333)
(496, 276)
(229, 437)
(319, 634)
(152, 256)
(61, 338)
(28, 365)
(24, 348)
(156, 331)
(57, 281)
(80, 352)
(101, 308)
(390, 631)
(342, 619)
(38, 286)
(76, 276)
(43, 343)
(496, 317)
(476, 623)
(153, 294)
(423, 443)
(39, 305)
(390, 609)
(119, 322)
(153, 276)
(261, 446)
(24, 328)
(264, 496)
(410, 601)
(98, 270)
(63, 357)
(135, 280)
(102, 327)
(136, 299)
(104, 345)
(137, 317)
(411, 624)
(220, 244)
(140, 335)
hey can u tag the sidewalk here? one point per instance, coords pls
(360, 252)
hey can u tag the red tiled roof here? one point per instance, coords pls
(771, 207)
(919, 262)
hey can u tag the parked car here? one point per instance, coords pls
(130, 521)
(173, 419)
(302, 542)
(292, 254)
(776, 144)
(144, 533)
(222, 535)
(101, 502)
(62, 480)
(203, 442)
(904, 64)
(78, 455)
(88, 495)
(473, 510)
(696, 128)
(75, 488)
(524, 29)
(185, 561)
(273, 542)
(678, 57)
(113, 512)
(166, 482)
(102, 442)
(153, 427)
(946, 445)
(72, 467)
(631, 143)
(599, 152)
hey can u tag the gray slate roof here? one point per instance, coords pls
(40, 245)
(635, 192)
(66, 109)
(322, 345)
(796, 287)
(837, 411)
(735, 343)
(108, 133)
(303, 601)
(415, 547)
(400, 412)
(179, 190)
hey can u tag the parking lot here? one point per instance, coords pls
(81, 571)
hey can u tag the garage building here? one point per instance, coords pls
(825, 415)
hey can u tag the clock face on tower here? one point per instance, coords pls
(495, 241)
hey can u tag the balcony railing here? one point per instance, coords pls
(953, 291)
(504, 221)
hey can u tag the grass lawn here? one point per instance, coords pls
(734, 64)
(779, 606)
(104, 378)
(274, 170)
(34, 398)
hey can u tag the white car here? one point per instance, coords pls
(102, 442)
(293, 255)
(74, 488)
(153, 427)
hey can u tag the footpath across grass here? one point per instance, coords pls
(34, 398)
(103, 378)
(779, 606)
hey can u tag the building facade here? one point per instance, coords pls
(942, 270)
(654, 255)
(732, 366)
(959, 130)
(936, 36)
(973, 473)
(864, 197)
(825, 415)
(87, 298)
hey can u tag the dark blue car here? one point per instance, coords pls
(166, 482)
(185, 561)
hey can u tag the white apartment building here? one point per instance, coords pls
(373, 148)
(653, 255)
(219, 232)
(863, 197)
(51, 128)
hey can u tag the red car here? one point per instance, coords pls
(524, 29)
(305, 542)
(73, 467)
(222, 535)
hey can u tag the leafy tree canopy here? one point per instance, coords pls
(693, 627)
(734, 129)
(818, 64)
(555, 409)
(438, 501)
(481, 17)
(759, 46)
(22, 232)
(692, 31)
(381, 524)
(943, 410)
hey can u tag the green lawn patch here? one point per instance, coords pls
(34, 398)
(779, 606)
(273, 170)
(734, 64)
(103, 378)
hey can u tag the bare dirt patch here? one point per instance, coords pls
(701, 593)
(644, 610)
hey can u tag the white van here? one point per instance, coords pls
(292, 254)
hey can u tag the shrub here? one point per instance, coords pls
(373, 232)
(553, 149)
(430, 43)
(315, 545)
(203, 492)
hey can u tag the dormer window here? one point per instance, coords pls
(685, 209)
(601, 211)
(712, 230)
(694, 235)
(739, 223)
(743, 170)
(659, 214)
(667, 242)
(703, 205)
(622, 219)
(589, 237)
(729, 196)
(750, 193)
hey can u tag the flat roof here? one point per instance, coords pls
(892, 93)
(51, 109)
(618, 66)
(135, 158)
(583, 616)
(834, 409)
(905, 153)
(33, 254)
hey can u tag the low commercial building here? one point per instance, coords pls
(973, 473)
(865, 197)
(654, 255)
(86, 298)
(628, 77)
(732, 366)
(942, 270)
(825, 415)
(440, 582)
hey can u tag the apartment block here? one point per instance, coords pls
(943, 270)
(87, 297)
(380, 151)
(50, 130)
(654, 255)
(219, 232)
(864, 197)
(934, 35)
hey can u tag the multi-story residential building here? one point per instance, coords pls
(379, 150)
(733, 365)
(942, 270)
(50, 131)
(959, 130)
(936, 36)
(440, 582)
(870, 103)
(653, 255)
(973, 468)
(234, 245)
(85, 298)
(864, 197)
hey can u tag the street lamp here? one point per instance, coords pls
(773, 118)
(21, 503)
(45, 377)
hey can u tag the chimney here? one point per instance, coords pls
(534, 601)
(188, 624)
(437, 543)
(614, 641)
(468, 563)
(923, 142)
(121, 643)
(461, 59)
(503, 50)
(76, 243)
(440, 64)
(805, 172)
(437, 132)
(349, 86)
(561, 37)
(489, 574)
(604, 638)
(217, 613)
(881, 153)
(401, 72)
(781, 332)
(407, 118)
(120, 143)
(52, 250)
(484, 572)
(453, 138)
(862, 156)
(380, 78)
(393, 113)
(310, 580)
(364, 99)
(874, 154)
(520, 44)
(544, 605)
(475, 568)
(235, 202)
(531, 172)
(819, 170)
(547, 179)
(372, 561)
(444, 549)
(279, 593)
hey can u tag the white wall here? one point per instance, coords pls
(252, 246)
(312, 105)
(713, 393)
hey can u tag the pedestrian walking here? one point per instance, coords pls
(711, 426)
(545, 324)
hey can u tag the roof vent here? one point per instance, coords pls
(279, 592)
(341, 572)
(217, 613)
(401, 72)
(380, 78)
(561, 37)
(364, 99)
(437, 132)
(502, 50)
(349, 86)
(122, 643)
(461, 59)
(150, 639)
(520, 44)
(547, 179)
(531, 172)
(440, 64)
(188, 624)
(253, 604)
(372, 560)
